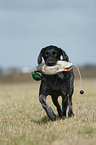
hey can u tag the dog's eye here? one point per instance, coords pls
(55, 54)
(46, 54)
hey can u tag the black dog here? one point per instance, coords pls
(60, 84)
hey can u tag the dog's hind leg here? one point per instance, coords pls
(56, 103)
(70, 110)
(64, 104)
(48, 110)
(71, 90)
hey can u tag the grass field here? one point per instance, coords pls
(24, 122)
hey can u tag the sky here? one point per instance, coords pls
(27, 26)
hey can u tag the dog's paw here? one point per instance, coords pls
(70, 114)
(53, 118)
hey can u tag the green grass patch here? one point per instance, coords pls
(23, 120)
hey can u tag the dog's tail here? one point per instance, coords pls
(81, 90)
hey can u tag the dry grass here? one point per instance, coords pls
(24, 122)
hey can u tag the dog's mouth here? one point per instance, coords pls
(51, 63)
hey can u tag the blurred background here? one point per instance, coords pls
(28, 26)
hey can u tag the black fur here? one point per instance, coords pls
(57, 85)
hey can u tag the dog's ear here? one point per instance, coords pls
(64, 55)
(40, 58)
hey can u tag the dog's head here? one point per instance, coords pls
(51, 54)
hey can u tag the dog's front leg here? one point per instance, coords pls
(56, 103)
(48, 110)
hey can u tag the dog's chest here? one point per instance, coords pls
(56, 82)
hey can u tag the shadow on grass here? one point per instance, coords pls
(44, 120)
